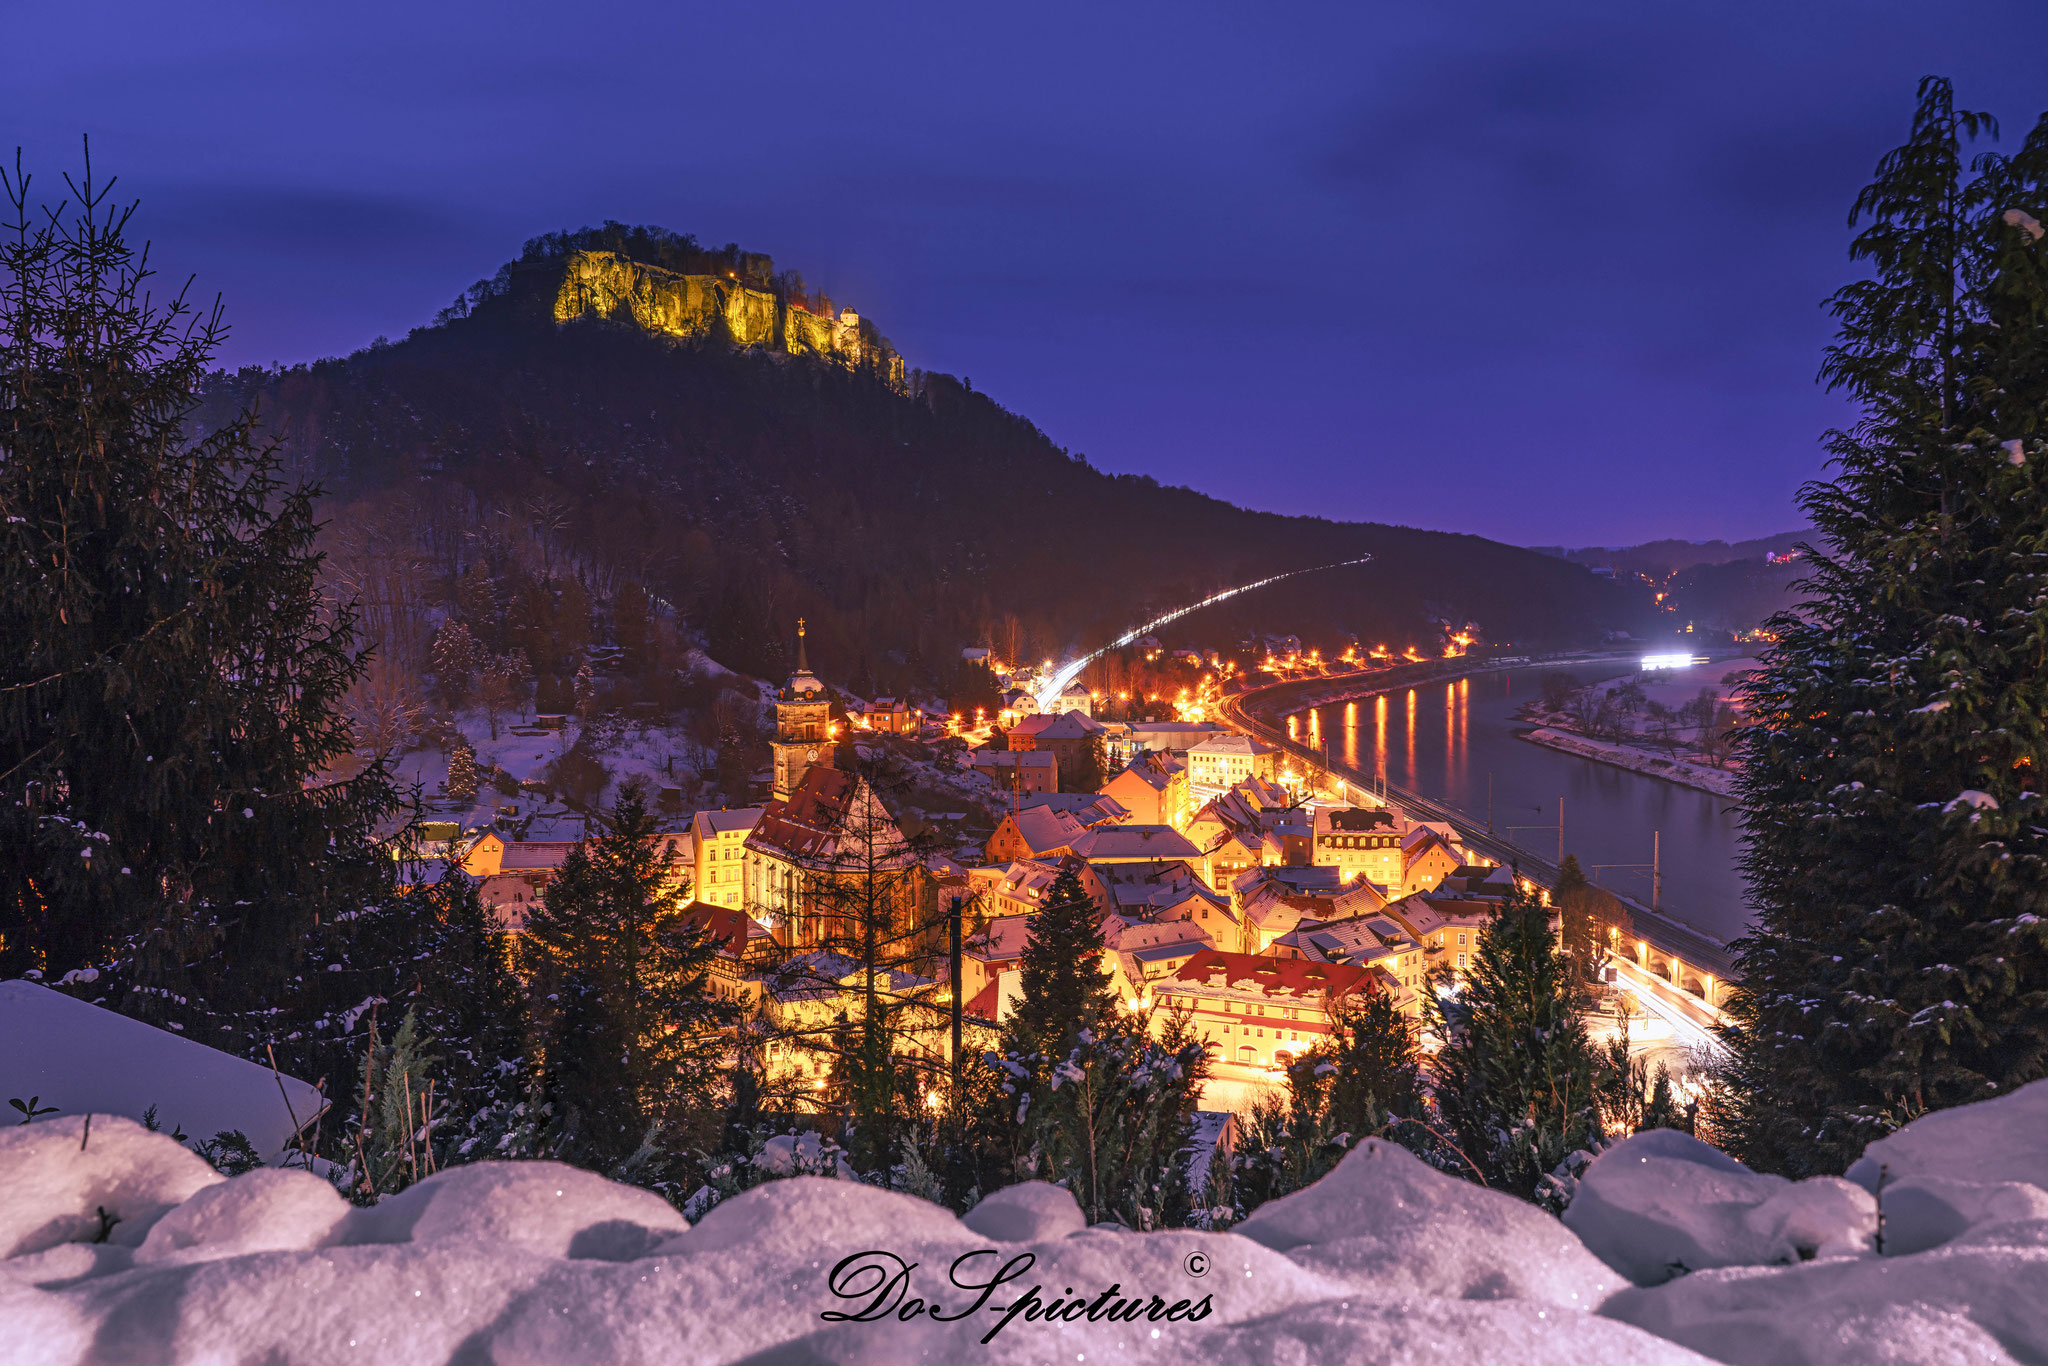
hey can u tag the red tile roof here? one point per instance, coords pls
(1273, 977)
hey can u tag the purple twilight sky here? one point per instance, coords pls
(1547, 272)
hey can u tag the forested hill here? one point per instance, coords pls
(903, 517)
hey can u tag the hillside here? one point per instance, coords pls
(1661, 558)
(904, 515)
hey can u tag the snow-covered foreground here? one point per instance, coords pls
(1669, 1250)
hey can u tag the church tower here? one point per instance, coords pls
(803, 724)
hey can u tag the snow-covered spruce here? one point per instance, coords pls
(122, 1243)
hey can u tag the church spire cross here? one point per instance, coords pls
(802, 664)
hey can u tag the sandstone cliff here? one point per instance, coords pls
(614, 286)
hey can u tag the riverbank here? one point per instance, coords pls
(1643, 761)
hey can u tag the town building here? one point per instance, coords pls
(721, 837)
(1154, 789)
(1011, 889)
(1256, 1014)
(1073, 736)
(741, 946)
(803, 725)
(1360, 842)
(1375, 941)
(1446, 928)
(1163, 890)
(1037, 832)
(1224, 761)
(830, 855)
(523, 871)
(1075, 698)
(1255, 824)
(1089, 808)
(1132, 843)
(1382, 845)
(890, 716)
(1159, 737)
(1017, 771)
(1272, 901)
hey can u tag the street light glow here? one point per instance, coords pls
(1067, 673)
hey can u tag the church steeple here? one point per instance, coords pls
(803, 723)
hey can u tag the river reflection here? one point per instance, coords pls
(1455, 743)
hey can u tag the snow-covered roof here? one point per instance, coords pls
(82, 1058)
(725, 820)
(1127, 842)
(1045, 828)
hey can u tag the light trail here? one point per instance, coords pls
(1067, 673)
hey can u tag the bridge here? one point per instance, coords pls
(1675, 970)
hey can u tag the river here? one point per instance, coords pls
(1447, 741)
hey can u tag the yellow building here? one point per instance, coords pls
(721, 839)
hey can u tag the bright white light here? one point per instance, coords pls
(1067, 673)
(1667, 661)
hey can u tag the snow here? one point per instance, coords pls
(545, 1208)
(271, 1209)
(1028, 1212)
(1953, 1304)
(1388, 1219)
(58, 1177)
(82, 1059)
(1992, 1141)
(1975, 800)
(1662, 1203)
(1636, 759)
(1385, 1260)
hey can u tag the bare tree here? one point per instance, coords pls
(384, 709)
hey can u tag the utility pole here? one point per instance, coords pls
(1656, 870)
(953, 916)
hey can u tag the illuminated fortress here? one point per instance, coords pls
(659, 300)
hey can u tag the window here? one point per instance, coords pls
(1461, 960)
(1461, 940)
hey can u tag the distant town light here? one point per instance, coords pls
(1671, 661)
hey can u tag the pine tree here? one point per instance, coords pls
(456, 658)
(1062, 989)
(1375, 1079)
(1515, 1079)
(1365, 1081)
(1112, 1120)
(631, 1036)
(172, 689)
(1899, 961)
(472, 1004)
(462, 782)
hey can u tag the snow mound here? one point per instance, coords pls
(1994, 1140)
(61, 1184)
(1385, 1260)
(1354, 1332)
(1028, 1212)
(1926, 1211)
(546, 1208)
(1662, 1203)
(1954, 1304)
(267, 1210)
(1388, 1222)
